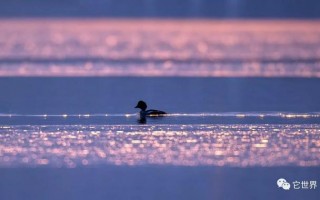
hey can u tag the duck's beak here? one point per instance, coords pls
(136, 106)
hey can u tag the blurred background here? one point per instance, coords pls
(163, 8)
(80, 62)
(43, 38)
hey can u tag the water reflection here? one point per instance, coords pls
(179, 48)
(178, 145)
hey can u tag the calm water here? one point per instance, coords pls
(242, 97)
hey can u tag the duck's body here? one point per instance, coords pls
(148, 113)
(152, 113)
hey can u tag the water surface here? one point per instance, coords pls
(242, 97)
(170, 145)
(200, 48)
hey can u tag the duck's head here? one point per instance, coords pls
(142, 105)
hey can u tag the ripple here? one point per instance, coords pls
(171, 145)
(196, 48)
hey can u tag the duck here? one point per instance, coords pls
(148, 113)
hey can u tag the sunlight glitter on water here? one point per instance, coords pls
(159, 48)
(217, 114)
(172, 118)
(172, 145)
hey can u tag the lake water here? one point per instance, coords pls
(242, 99)
(159, 48)
(170, 145)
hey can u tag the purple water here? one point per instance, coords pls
(242, 97)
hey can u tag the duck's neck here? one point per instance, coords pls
(143, 114)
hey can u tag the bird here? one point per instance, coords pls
(148, 113)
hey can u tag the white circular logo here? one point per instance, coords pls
(281, 182)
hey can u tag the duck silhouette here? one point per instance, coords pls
(148, 113)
